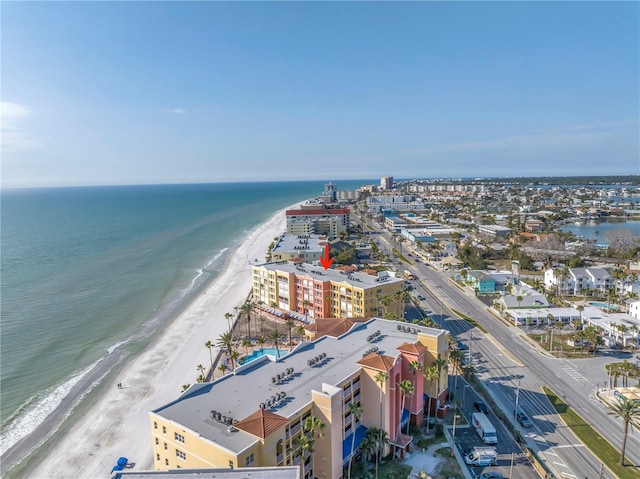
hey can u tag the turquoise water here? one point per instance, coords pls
(603, 305)
(258, 353)
(88, 270)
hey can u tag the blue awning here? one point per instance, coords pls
(361, 431)
(405, 417)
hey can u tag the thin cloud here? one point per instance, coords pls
(14, 137)
(577, 135)
(178, 111)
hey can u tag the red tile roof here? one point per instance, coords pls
(379, 362)
(261, 423)
(412, 348)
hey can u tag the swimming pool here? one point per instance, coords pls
(603, 305)
(261, 352)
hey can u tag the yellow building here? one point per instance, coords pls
(315, 292)
(256, 416)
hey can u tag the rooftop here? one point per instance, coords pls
(320, 274)
(239, 396)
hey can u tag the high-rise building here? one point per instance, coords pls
(386, 182)
(256, 414)
(319, 293)
(327, 221)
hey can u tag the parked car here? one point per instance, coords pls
(492, 475)
(420, 297)
(480, 406)
(462, 345)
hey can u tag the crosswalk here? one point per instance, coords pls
(575, 375)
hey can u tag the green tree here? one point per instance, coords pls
(440, 364)
(274, 337)
(290, 324)
(355, 408)
(430, 374)
(381, 379)
(628, 411)
(406, 389)
(209, 345)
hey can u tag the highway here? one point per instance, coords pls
(504, 360)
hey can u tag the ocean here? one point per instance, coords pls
(86, 270)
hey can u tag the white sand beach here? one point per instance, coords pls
(118, 424)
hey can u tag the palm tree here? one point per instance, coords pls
(580, 309)
(274, 337)
(355, 408)
(246, 344)
(456, 357)
(312, 429)
(441, 364)
(414, 366)
(260, 342)
(235, 355)
(430, 374)
(381, 379)
(247, 308)
(228, 316)
(223, 367)
(209, 345)
(301, 331)
(262, 321)
(406, 389)
(290, 324)
(628, 411)
(519, 300)
(201, 378)
(305, 304)
(226, 340)
(200, 368)
(185, 387)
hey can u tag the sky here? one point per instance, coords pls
(104, 93)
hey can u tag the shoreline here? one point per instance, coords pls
(117, 423)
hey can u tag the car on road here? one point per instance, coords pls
(492, 475)
(461, 345)
(480, 406)
(522, 418)
(420, 297)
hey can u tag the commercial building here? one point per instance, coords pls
(256, 415)
(319, 293)
(386, 182)
(494, 230)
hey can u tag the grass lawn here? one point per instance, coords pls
(591, 438)
(393, 470)
(471, 320)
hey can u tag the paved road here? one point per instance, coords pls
(502, 368)
(504, 360)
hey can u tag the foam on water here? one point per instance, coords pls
(38, 408)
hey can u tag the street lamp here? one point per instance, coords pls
(515, 411)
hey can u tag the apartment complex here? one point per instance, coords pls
(575, 281)
(255, 416)
(304, 248)
(326, 221)
(319, 293)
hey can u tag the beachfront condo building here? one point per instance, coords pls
(302, 248)
(324, 221)
(268, 411)
(315, 292)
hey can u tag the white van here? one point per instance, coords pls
(482, 456)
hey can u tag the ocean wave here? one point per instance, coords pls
(38, 408)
